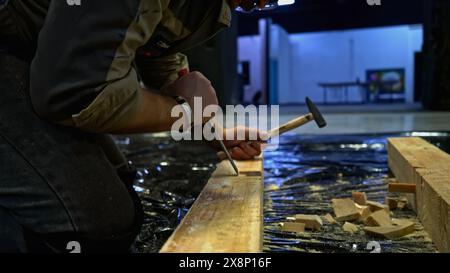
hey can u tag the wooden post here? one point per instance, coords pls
(227, 217)
(415, 161)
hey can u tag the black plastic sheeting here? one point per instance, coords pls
(306, 172)
(301, 177)
(170, 176)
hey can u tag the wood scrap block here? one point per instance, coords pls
(349, 227)
(402, 188)
(396, 202)
(293, 227)
(311, 221)
(330, 219)
(379, 218)
(345, 210)
(364, 212)
(392, 232)
(402, 204)
(375, 206)
(391, 202)
(359, 198)
(398, 222)
(272, 187)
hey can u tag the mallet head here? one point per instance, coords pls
(318, 117)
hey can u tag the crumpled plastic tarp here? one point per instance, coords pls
(301, 177)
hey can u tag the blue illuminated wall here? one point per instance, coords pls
(304, 60)
(347, 55)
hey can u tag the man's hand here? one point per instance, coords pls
(194, 85)
(242, 149)
(191, 86)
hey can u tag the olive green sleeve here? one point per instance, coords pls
(112, 108)
(158, 72)
(119, 101)
(83, 74)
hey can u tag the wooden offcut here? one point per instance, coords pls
(379, 218)
(391, 202)
(311, 221)
(402, 204)
(246, 168)
(227, 217)
(350, 228)
(360, 198)
(415, 161)
(293, 227)
(396, 202)
(330, 219)
(402, 188)
(345, 210)
(393, 231)
(364, 212)
(376, 206)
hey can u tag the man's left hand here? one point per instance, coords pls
(246, 149)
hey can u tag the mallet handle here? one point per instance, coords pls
(291, 125)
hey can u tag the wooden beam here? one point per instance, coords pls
(415, 161)
(227, 217)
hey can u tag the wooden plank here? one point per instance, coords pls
(415, 161)
(227, 217)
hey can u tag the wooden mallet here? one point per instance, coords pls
(314, 115)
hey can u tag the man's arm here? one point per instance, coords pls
(152, 114)
(83, 73)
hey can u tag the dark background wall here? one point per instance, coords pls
(435, 77)
(217, 59)
(321, 15)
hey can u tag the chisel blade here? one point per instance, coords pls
(225, 150)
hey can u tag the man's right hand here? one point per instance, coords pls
(154, 110)
(193, 85)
